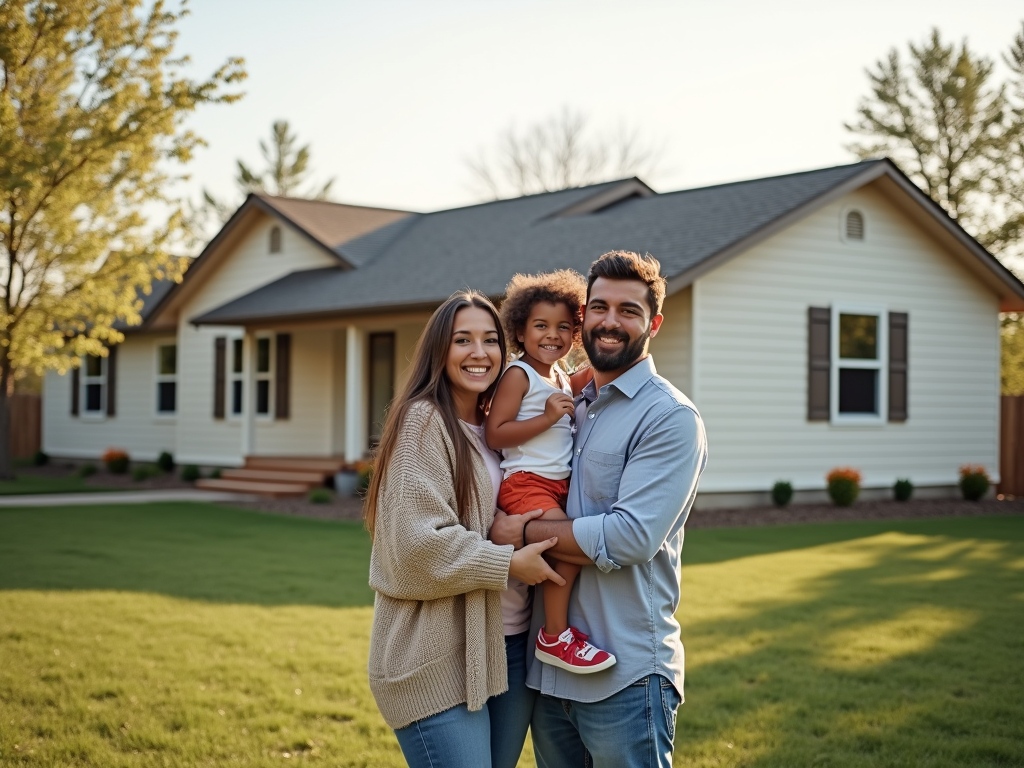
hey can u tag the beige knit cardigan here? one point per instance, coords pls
(437, 638)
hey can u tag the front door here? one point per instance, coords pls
(382, 382)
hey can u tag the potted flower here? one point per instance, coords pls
(345, 480)
(116, 461)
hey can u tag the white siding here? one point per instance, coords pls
(752, 359)
(671, 348)
(135, 427)
(203, 439)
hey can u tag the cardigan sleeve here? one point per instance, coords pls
(420, 550)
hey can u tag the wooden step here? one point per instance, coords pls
(328, 465)
(274, 475)
(272, 490)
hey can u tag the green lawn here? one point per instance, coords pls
(35, 484)
(188, 634)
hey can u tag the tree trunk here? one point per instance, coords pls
(6, 471)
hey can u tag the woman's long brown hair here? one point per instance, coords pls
(428, 382)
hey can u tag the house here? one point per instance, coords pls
(836, 317)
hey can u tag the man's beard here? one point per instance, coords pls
(613, 361)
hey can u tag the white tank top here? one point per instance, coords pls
(549, 453)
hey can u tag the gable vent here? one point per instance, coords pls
(854, 225)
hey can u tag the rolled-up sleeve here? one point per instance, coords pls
(660, 473)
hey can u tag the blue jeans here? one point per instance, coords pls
(489, 738)
(633, 728)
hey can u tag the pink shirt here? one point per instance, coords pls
(515, 601)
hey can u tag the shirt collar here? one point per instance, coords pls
(629, 383)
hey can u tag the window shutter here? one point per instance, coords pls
(282, 376)
(220, 364)
(898, 348)
(76, 389)
(112, 381)
(819, 362)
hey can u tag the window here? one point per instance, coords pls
(264, 366)
(167, 379)
(275, 239)
(237, 382)
(94, 384)
(858, 364)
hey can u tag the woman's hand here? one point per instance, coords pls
(529, 566)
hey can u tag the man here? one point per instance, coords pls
(640, 449)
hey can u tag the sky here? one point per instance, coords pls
(394, 95)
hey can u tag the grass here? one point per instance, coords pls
(188, 634)
(34, 484)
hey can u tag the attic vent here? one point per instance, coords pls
(275, 239)
(854, 225)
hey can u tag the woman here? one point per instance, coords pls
(438, 646)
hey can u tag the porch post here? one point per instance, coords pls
(248, 394)
(355, 399)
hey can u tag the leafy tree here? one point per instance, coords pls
(559, 153)
(92, 107)
(959, 134)
(287, 169)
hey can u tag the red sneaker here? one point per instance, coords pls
(573, 653)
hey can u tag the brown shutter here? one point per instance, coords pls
(76, 389)
(819, 362)
(898, 348)
(282, 376)
(220, 364)
(112, 381)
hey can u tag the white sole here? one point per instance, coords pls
(554, 661)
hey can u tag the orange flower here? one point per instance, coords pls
(968, 470)
(844, 473)
(112, 454)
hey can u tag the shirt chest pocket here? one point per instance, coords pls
(601, 475)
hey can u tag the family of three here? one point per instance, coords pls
(527, 537)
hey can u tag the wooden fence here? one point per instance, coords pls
(26, 424)
(1011, 445)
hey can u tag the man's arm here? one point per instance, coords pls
(657, 483)
(508, 529)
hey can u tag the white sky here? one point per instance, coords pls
(394, 94)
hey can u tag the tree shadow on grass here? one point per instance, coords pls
(189, 550)
(895, 650)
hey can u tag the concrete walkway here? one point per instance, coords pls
(125, 497)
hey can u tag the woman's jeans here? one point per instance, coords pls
(492, 736)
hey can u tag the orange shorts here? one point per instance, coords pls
(523, 492)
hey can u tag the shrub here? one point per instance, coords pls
(116, 461)
(903, 490)
(320, 496)
(165, 461)
(144, 472)
(86, 470)
(215, 474)
(40, 458)
(190, 473)
(843, 486)
(974, 481)
(782, 493)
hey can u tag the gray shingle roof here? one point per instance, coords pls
(422, 259)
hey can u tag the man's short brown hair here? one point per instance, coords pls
(627, 265)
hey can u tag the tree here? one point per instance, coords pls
(287, 169)
(92, 107)
(959, 135)
(559, 153)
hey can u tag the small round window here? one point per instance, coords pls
(854, 225)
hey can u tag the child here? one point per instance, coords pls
(531, 422)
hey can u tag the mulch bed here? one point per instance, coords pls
(350, 508)
(104, 479)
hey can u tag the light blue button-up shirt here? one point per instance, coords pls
(640, 449)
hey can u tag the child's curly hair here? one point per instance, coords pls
(564, 286)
